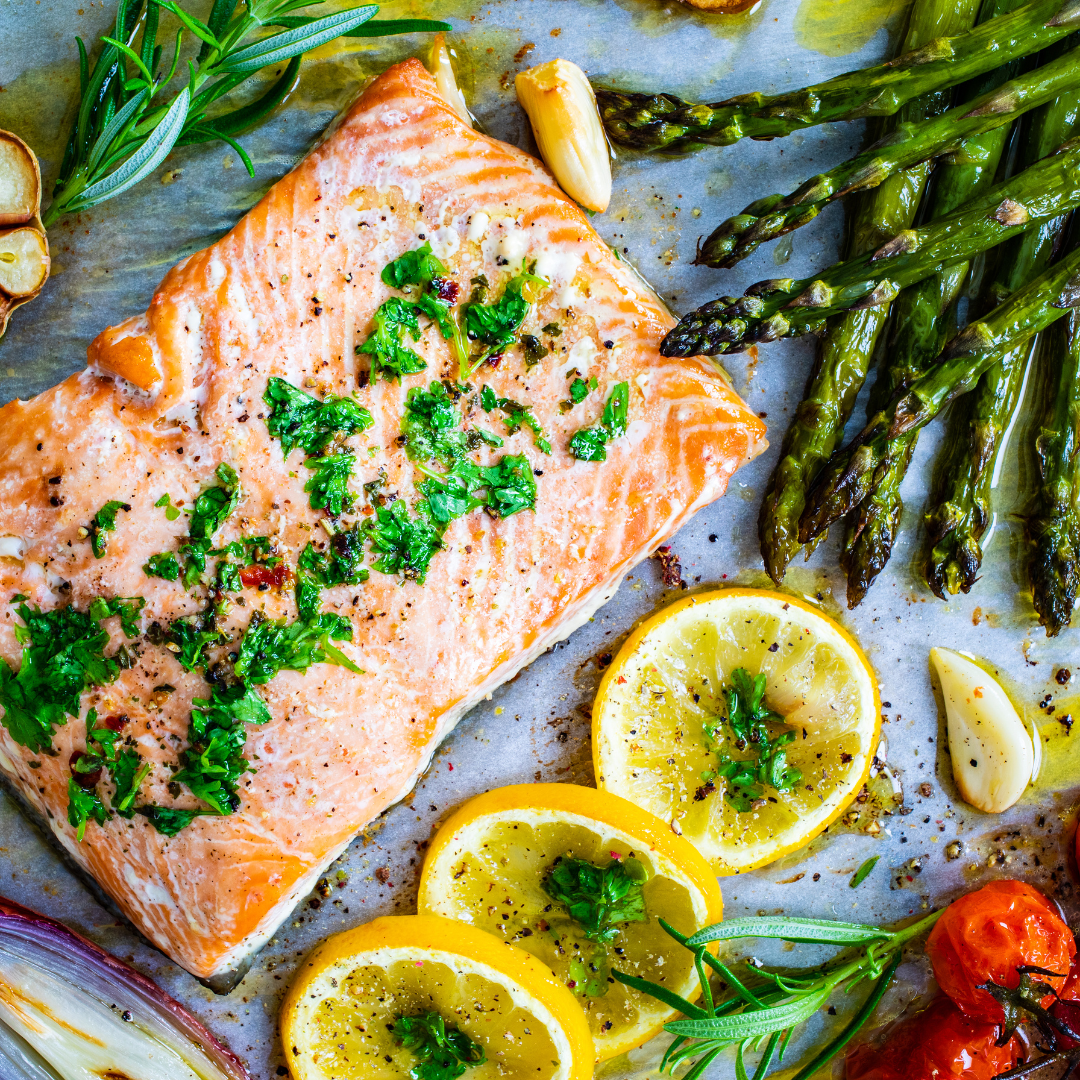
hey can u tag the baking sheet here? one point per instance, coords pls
(107, 262)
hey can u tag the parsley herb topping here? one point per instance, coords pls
(589, 443)
(104, 522)
(431, 427)
(400, 544)
(163, 565)
(495, 326)
(298, 419)
(751, 726)
(599, 898)
(339, 565)
(442, 1051)
(269, 647)
(329, 487)
(515, 417)
(62, 654)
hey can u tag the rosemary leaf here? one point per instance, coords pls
(806, 931)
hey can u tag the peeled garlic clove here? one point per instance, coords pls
(24, 261)
(561, 107)
(992, 755)
(440, 66)
(20, 181)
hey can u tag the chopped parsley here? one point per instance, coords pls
(431, 428)
(532, 350)
(127, 607)
(339, 564)
(298, 419)
(104, 522)
(329, 487)
(214, 505)
(402, 544)
(515, 416)
(751, 726)
(169, 821)
(509, 485)
(171, 512)
(84, 806)
(385, 347)
(442, 1051)
(163, 565)
(579, 389)
(589, 444)
(495, 326)
(189, 636)
(62, 654)
(598, 898)
(415, 268)
(269, 647)
(128, 772)
(213, 763)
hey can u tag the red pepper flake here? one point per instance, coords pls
(446, 289)
(450, 766)
(256, 576)
(621, 679)
(115, 723)
(83, 779)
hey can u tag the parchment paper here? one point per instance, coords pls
(107, 262)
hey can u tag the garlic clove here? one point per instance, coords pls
(24, 261)
(20, 181)
(561, 107)
(439, 64)
(992, 754)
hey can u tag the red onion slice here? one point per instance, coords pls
(70, 1011)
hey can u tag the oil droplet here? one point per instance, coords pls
(841, 27)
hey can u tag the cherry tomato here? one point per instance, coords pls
(1067, 1007)
(939, 1042)
(990, 933)
(256, 576)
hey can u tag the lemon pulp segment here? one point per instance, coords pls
(665, 687)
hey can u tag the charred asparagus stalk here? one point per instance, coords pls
(909, 144)
(665, 122)
(852, 472)
(1054, 528)
(785, 307)
(848, 343)
(960, 510)
(921, 321)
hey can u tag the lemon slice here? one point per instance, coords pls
(665, 689)
(487, 867)
(349, 993)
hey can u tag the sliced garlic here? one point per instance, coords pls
(561, 107)
(20, 181)
(440, 66)
(992, 755)
(24, 261)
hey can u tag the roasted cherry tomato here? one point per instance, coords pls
(988, 935)
(1067, 1007)
(258, 576)
(939, 1042)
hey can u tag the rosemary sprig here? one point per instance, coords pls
(760, 1011)
(126, 125)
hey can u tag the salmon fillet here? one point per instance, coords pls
(170, 395)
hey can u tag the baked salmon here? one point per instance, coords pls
(136, 476)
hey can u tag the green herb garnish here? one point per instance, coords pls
(213, 764)
(589, 444)
(84, 806)
(389, 355)
(213, 506)
(495, 326)
(533, 350)
(579, 390)
(163, 565)
(415, 268)
(750, 726)
(62, 654)
(128, 772)
(269, 647)
(124, 128)
(169, 821)
(515, 416)
(171, 512)
(443, 1052)
(431, 427)
(863, 872)
(104, 522)
(190, 635)
(298, 419)
(400, 544)
(329, 487)
(339, 564)
(127, 607)
(598, 898)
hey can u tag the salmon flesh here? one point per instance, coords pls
(174, 399)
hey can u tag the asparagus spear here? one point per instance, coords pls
(852, 472)
(960, 510)
(1054, 528)
(921, 319)
(909, 144)
(845, 351)
(784, 307)
(665, 122)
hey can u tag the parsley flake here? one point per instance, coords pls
(589, 443)
(297, 419)
(104, 522)
(402, 544)
(431, 427)
(495, 326)
(442, 1051)
(84, 806)
(339, 565)
(169, 821)
(163, 565)
(515, 416)
(269, 647)
(385, 347)
(598, 898)
(329, 487)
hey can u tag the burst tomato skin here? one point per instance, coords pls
(1067, 1007)
(939, 1043)
(987, 935)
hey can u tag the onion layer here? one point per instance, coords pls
(70, 1011)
